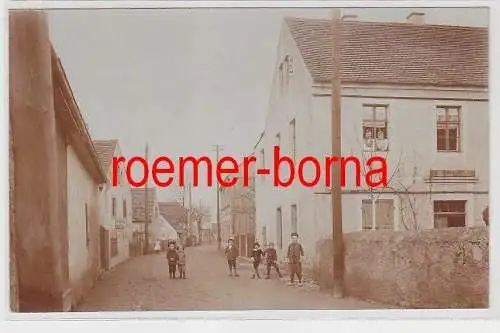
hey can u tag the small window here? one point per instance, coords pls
(292, 139)
(87, 225)
(279, 227)
(294, 218)
(285, 69)
(264, 235)
(375, 135)
(448, 129)
(384, 214)
(124, 208)
(449, 213)
(113, 207)
(113, 243)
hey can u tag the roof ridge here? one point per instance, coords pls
(387, 23)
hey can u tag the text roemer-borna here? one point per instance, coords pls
(228, 169)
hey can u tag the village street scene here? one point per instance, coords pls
(99, 97)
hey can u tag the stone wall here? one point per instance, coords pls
(445, 268)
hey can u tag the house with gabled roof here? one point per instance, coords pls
(115, 206)
(413, 93)
(237, 211)
(176, 215)
(143, 215)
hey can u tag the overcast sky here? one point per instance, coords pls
(184, 80)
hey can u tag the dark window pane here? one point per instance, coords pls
(453, 139)
(441, 139)
(456, 221)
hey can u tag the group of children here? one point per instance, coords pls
(294, 255)
(176, 260)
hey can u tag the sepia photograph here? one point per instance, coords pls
(211, 159)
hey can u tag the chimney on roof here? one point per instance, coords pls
(415, 17)
(348, 17)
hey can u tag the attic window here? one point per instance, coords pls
(285, 70)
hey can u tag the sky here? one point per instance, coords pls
(184, 80)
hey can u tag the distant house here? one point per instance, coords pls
(176, 215)
(116, 207)
(414, 93)
(237, 214)
(167, 232)
(139, 219)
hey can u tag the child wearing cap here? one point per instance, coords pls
(295, 252)
(271, 259)
(256, 258)
(231, 256)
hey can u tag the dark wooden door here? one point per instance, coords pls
(104, 238)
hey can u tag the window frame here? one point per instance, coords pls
(450, 213)
(294, 218)
(87, 225)
(378, 226)
(374, 130)
(447, 127)
(293, 139)
(113, 207)
(279, 227)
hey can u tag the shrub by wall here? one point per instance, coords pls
(441, 268)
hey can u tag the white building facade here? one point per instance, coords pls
(425, 99)
(115, 205)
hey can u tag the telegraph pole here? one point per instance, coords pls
(146, 218)
(338, 237)
(218, 203)
(189, 209)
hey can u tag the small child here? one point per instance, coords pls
(256, 258)
(271, 258)
(294, 254)
(231, 253)
(173, 258)
(181, 264)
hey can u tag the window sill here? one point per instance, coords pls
(375, 151)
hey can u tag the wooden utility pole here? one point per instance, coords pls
(218, 203)
(189, 210)
(146, 217)
(338, 237)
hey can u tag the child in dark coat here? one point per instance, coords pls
(173, 258)
(256, 258)
(294, 255)
(231, 256)
(271, 259)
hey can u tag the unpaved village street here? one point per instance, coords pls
(142, 283)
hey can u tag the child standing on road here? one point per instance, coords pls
(173, 258)
(181, 265)
(231, 256)
(256, 258)
(295, 252)
(271, 258)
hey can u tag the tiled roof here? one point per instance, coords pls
(395, 53)
(174, 213)
(105, 150)
(138, 197)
